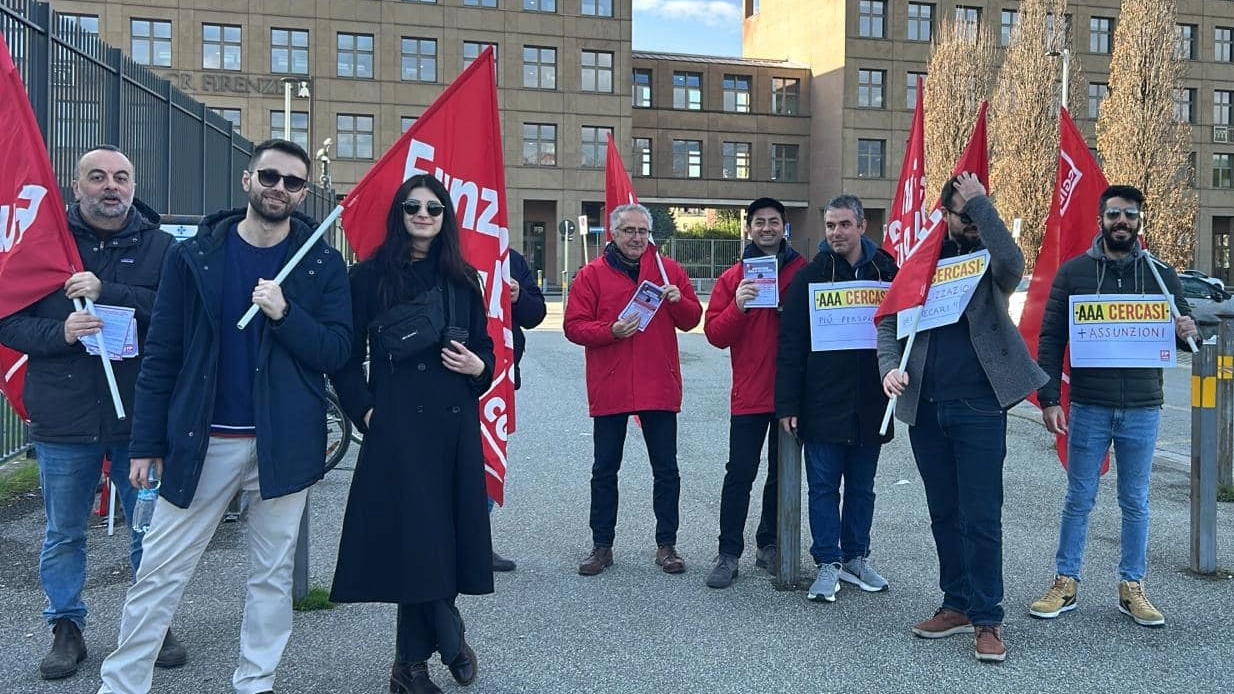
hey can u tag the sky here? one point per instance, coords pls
(706, 27)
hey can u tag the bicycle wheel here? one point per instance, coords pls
(338, 433)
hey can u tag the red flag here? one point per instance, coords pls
(1068, 233)
(907, 225)
(37, 252)
(912, 283)
(617, 187)
(458, 140)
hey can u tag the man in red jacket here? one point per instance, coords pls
(738, 321)
(632, 368)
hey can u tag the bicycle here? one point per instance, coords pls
(339, 432)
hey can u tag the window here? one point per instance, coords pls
(539, 67)
(539, 144)
(870, 88)
(233, 115)
(418, 62)
(1223, 170)
(920, 21)
(355, 136)
(540, 5)
(1222, 40)
(479, 3)
(910, 95)
(473, 49)
(1221, 106)
(1009, 21)
(220, 47)
(735, 160)
(405, 123)
(870, 158)
(1097, 92)
(88, 23)
(642, 156)
(1058, 37)
(688, 90)
(594, 145)
(967, 21)
(642, 89)
(687, 158)
(870, 19)
(1184, 102)
(1184, 41)
(597, 72)
(289, 51)
(784, 163)
(737, 93)
(785, 95)
(355, 56)
(597, 8)
(1100, 34)
(299, 126)
(151, 42)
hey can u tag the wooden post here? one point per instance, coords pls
(788, 513)
(1204, 459)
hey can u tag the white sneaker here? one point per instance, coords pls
(826, 585)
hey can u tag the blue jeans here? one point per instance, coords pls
(1091, 430)
(960, 446)
(69, 475)
(840, 537)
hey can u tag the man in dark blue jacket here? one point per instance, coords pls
(219, 410)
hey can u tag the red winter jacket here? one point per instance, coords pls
(750, 337)
(641, 372)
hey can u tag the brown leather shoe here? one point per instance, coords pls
(990, 647)
(600, 559)
(668, 559)
(945, 622)
(464, 665)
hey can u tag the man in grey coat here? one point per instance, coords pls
(961, 380)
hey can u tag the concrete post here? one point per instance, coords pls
(1225, 400)
(1204, 459)
(788, 513)
(299, 571)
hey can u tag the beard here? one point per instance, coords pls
(967, 244)
(261, 205)
(1118, 245)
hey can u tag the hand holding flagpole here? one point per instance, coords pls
(295, 260)
(1152, 266)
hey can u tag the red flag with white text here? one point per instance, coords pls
(458, 140)
(912, 283)
(37, 252)
(907, 225)
(617, 187)
(1069, 231)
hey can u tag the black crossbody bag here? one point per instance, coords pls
(411, 327)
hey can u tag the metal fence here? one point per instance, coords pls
(704, 259)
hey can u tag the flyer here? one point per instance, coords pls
(764, 273)
(842, 314)
(645, 302)
(1121, 331)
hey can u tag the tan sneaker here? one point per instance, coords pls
(990, 648)
(1133, 603)
(1058, 599)
(945, 622)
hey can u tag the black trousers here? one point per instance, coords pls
(425, 627)
(660, 435)
(746, 433)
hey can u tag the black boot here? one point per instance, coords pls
(68, 650)
(411, 678)
(464, 665)
(172, 653)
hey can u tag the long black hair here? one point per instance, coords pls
(394, 254)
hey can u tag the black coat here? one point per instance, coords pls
(66, 390)
(416, 526)
(837, 396)
(527, 312)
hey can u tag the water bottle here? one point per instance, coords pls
(147, 498)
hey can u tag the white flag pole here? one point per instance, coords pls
(908, 348)
(111, 375)
(295, 260)
(1152, 266)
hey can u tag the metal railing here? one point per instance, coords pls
(14, 438)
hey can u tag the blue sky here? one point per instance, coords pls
(708, 27)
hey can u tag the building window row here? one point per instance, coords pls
(736, 91)
(736, 159)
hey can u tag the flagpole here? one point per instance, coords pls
(1152, 266)
(295, 260)
(111, 375)
(908, 348)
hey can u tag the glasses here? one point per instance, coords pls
(270, 178)
(962, 215)
(635, 231)
(1131, 212)
(434, 209)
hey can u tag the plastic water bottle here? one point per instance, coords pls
(147, 498)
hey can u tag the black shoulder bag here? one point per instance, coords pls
(411, 327)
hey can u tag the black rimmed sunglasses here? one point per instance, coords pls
(434, 209)
(962, 215)
(271, 177)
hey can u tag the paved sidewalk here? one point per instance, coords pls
(634, 629)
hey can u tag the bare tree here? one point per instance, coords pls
(961, 76)
(1140, 137)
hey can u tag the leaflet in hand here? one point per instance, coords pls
(119, 332)
(763, 272)
(645, 302)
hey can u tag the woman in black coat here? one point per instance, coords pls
(416, 529)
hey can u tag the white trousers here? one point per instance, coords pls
(175, 542)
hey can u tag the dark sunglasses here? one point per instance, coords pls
(434, 209)
(270, 178)
(1132, 212)
(962, 215)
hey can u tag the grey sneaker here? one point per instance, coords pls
(724, 572)
(858, 572)
(826, 584)
(767, 557)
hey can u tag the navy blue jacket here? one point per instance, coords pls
(528, 311)
(178, 379)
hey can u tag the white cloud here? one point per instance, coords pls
(710, 12)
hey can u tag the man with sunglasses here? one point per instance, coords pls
(219, 410)
(1119, 406)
